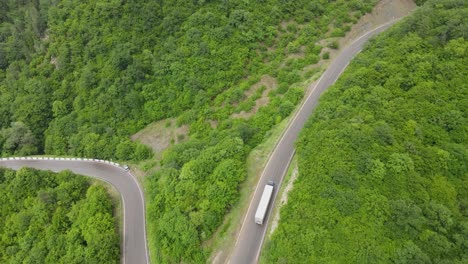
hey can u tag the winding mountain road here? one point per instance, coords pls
(134, 247)
(250, 239)
(251, 236)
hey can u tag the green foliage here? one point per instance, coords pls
(55, 218)
(382, 161)
(338, 32)
(190, 200)
(21, 24)
(96, 72)
(17, 140)
(420, 2)
(84, 76)
(334, 44)
(326, 55)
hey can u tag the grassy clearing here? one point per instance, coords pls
(162, 134)
(158, 136)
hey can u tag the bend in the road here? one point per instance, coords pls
(134, 241)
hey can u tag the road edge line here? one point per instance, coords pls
(294, 118)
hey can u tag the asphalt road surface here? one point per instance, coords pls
(134, 248)
(250, 239)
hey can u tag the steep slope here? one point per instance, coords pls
(100, 71)
(382, 162)
(83, 76)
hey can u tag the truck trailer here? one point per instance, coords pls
(264, 202)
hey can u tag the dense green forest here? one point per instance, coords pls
(80, 77)
(55, 218)
(383, 160)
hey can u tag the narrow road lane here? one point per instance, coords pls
(134, 248)
(251, 236)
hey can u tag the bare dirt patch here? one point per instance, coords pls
(54, 61)
(160, 135)
(270, 83)
(297, 55)
(284, 24)
(45, 37)
(213, 123)
(266, 80)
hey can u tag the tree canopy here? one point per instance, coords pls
(79, 77)
(83, 76)
(55, 218)
(382, 161)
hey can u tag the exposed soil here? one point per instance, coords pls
(266, 80)
(297, 55)
(213, 123)
(53, 60)
(160, 135)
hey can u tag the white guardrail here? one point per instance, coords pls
(64, 159)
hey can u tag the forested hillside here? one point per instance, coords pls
(383, 161)
(80, 77)
(55, 218)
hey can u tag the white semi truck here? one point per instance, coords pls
(264, 202)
